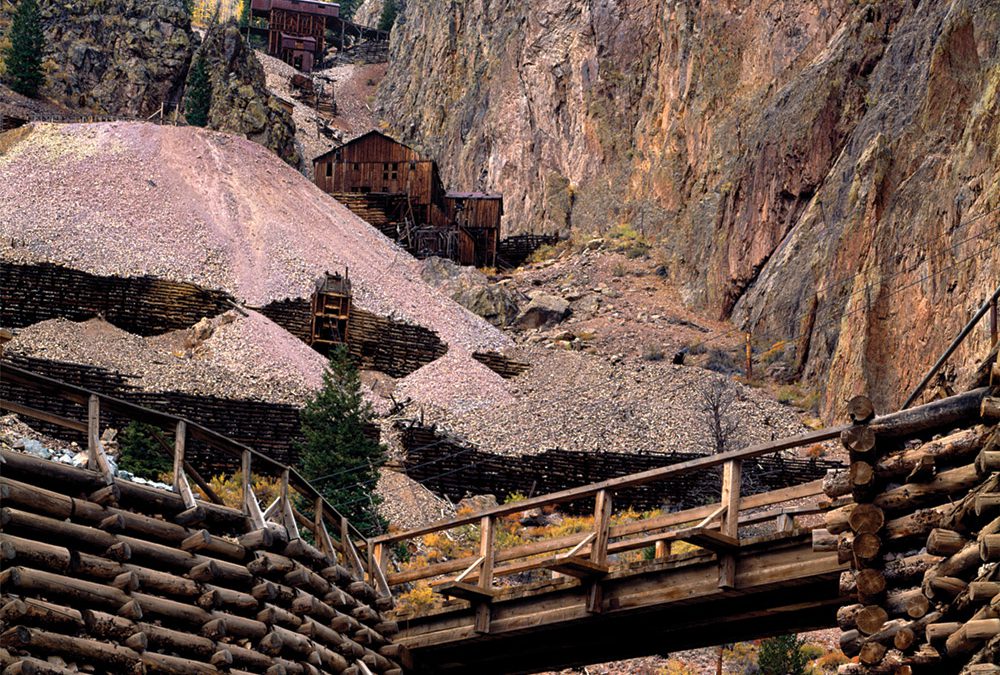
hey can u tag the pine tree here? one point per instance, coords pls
(782, 655)
(198, 99)
(23, 58)
(335, 454)
(245, 13)
(388, 17)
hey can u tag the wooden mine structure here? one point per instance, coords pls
(399, 191)
(297, 29)
(118, 577)
(331, 311)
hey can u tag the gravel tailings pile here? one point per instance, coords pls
(217, 210)
(243, 358)
(584, 402)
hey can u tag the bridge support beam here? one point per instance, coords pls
(599, 548)
(486, 540)
(731, 476)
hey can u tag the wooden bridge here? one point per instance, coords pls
(577, 599)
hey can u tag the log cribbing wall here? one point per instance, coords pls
(271, 428)
(379, 343)
(151, 306)
(141, 305)
(447, 466)
(514, 250)
(923, 539)
(119, 587)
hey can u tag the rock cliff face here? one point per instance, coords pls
(122, 57)
(824, 172)
(241, 102)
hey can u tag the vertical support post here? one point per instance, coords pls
(93, 430)
(487, 537)
(662, 550)
(288, 515)
(180, 440)
(731, 476)
(246, 479)
(993, 322)
(749, 364)
(599, 547)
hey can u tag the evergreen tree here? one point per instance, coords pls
(23, 58)
(245, 13)
(782, 655)
(335, 454)
(389, 11)
(140, 453)
(198, 99)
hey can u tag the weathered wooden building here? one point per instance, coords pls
(376, 164)
(477, 217)
(297, 29)
(400, 192)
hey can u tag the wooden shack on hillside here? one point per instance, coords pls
(399, 191)
(378, 165)
(297, 29)
(477, 218)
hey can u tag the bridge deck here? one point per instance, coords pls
(647, 607)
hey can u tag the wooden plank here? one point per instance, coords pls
(713, 540)
(599, 549)
(93, 430)
(180, 441)
(731, 476)
(487, 537)
(471, 592)
(34, 413)
(575, 566)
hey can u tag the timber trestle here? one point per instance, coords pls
(116, 576)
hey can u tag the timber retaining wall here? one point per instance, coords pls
(451, 467)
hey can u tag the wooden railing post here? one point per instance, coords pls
(993, 322)
(93, 430)
(245, 460)
(180, 441)
(487, 538)
(599, 548)
(731, 476)
(287, 510)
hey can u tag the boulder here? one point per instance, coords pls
(543, 310)
(496, 302)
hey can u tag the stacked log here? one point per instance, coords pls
(123, 587)
(922, 536)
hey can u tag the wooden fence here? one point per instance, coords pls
(295, 492)
(586, 554)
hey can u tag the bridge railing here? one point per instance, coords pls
(295, 493)
(585, 555)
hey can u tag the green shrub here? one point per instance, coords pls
(652, 352)
(782, 655)
(140, 452)
(198, 99)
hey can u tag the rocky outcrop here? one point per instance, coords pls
(117, 57)
(241, 102)
(368, 13)
(823, 172)
(498, 303)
